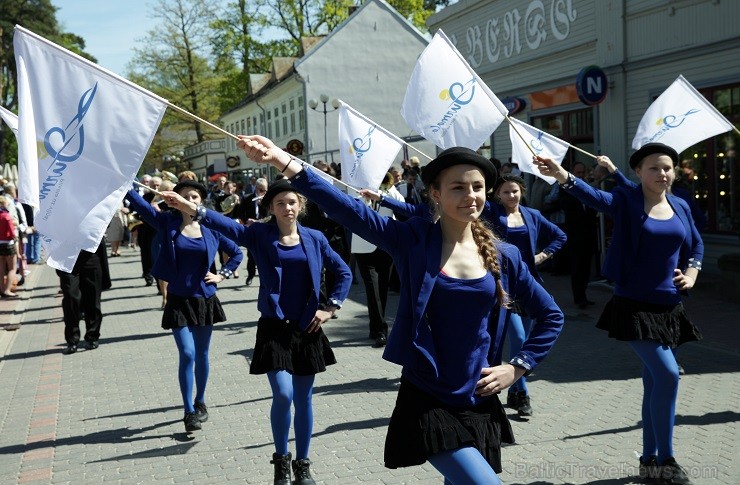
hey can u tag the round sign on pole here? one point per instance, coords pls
(591, 85)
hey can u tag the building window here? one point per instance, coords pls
(292, 122)
(574, 127)
(244, 127)
(301, 121)
(709, 171)
(249, 125)
(292, 104)
(277, 112)
(277, 128)
(284, 108)
(285, 124)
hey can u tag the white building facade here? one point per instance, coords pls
(366, 62)
(533, 51)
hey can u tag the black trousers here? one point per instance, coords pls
(581, 255)
(375, 270)
(251, 265)
(145, 238)
(81, 292)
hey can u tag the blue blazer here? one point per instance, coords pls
(536, 223)
(168, 224)
(416, 247)
(626, 206)
(262, 241)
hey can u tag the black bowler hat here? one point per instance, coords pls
(192, 184)
(651, 148)
(459, 156)
(274, 189)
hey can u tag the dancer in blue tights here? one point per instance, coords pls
(192, 307)
(456, 281)
(655, 256)
(291, 347)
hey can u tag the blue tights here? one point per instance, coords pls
(660, 383)
(464, 466)
(517, 333)
(298, 390)
(193, 343)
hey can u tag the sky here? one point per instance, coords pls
(110, 27)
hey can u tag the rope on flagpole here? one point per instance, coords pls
(323, 174)
(417, 150)
(148, 188)
(583, 151)
(197, 118)
(511, 123)
(530, 148)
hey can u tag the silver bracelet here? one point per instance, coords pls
(226, 273)
(695, 263)
(200, 213)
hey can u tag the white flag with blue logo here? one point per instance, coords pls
(680, 117)
(82, 136)
(446, 102)
(534, 140)
(10, 119)
(366, 149)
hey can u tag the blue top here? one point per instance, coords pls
(519, 237)
(416, 247)
(651, 278)
(190, 253)
(469, 337)
(626, 206)
(168, 225)
(261, 239)
(537, 226)
(295, 286)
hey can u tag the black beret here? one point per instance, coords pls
(274, 189)
(459, 156)
(192, 184)
(651, 148)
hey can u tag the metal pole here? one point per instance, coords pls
(326, 146)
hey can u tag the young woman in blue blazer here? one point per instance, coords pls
(523, 227)
(517, 225)
(456, 282)
(291, 347)
(192, 307)
(655, 256)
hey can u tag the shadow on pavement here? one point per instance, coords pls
(722, 417)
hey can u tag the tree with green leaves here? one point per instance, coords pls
(38, 16)
(173, 62)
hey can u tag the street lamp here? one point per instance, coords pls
(313, 104)
(174, 159)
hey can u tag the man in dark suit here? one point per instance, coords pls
(81, 294)
(581, 227)
(250, 210)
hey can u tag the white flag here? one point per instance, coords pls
(366, 150)
(82, 136)
(10, 119)
(680, 117)
(446, 102)
(539, 142)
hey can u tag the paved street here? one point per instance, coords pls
(114, 414)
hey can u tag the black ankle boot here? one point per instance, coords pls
(282, 468)
(302, 473)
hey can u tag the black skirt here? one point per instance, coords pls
(627, 319)
(422, 426)
(194, 311)
(282, 345)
